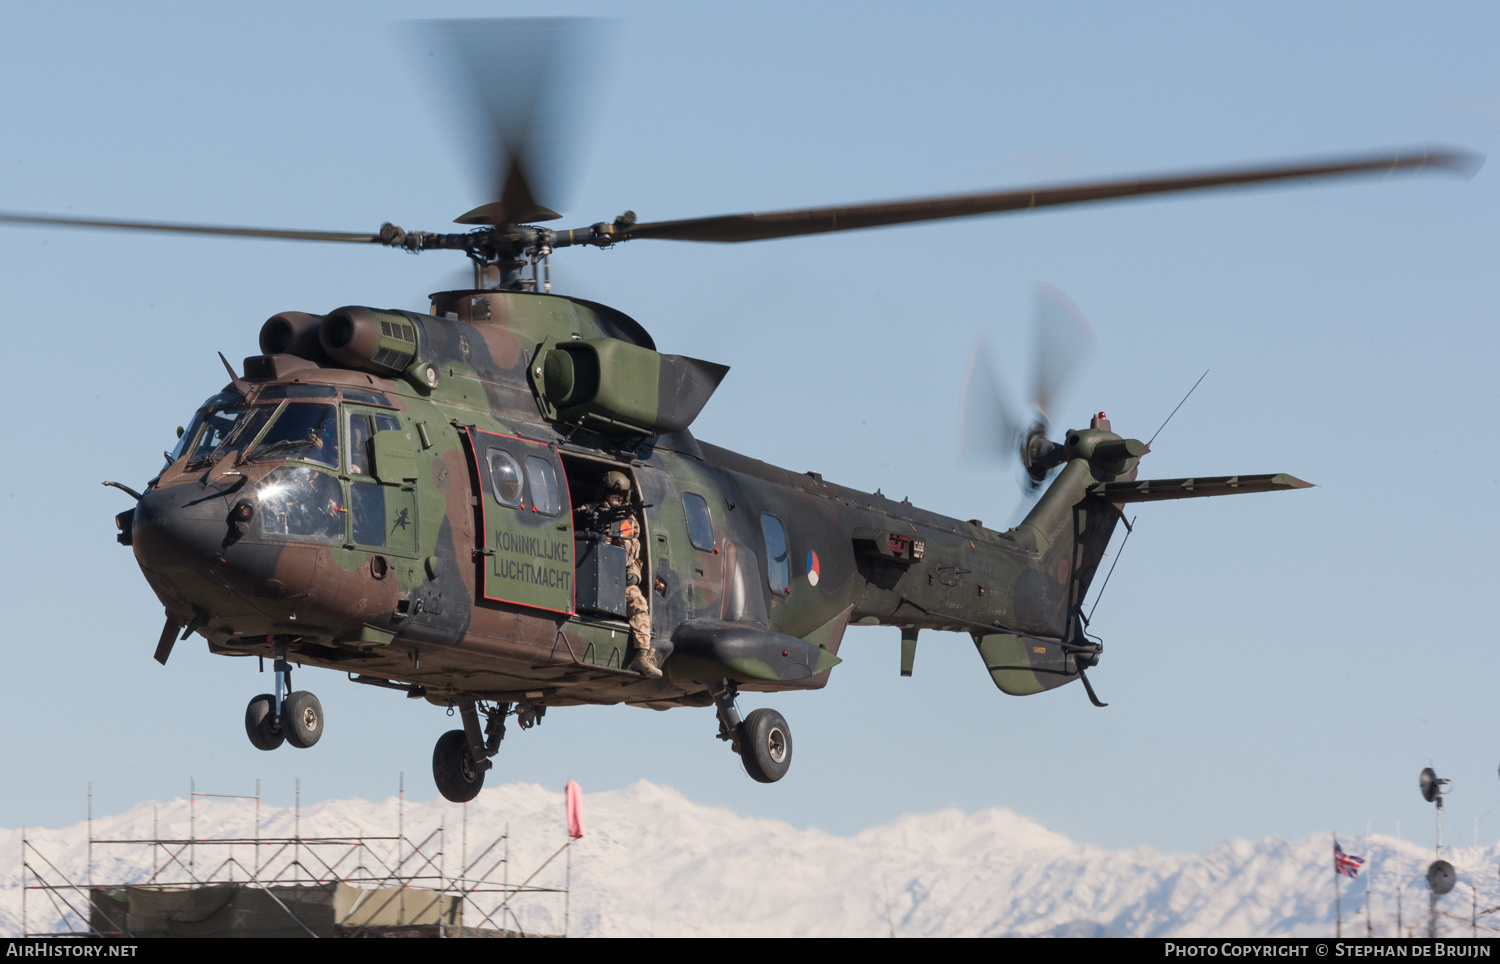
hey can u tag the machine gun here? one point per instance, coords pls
(617, 521)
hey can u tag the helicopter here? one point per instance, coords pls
(391, 494)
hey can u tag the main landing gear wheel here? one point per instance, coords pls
(302, 719)
(260, 726)
(453, 769)
(766, 745)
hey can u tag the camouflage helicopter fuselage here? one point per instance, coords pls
(421, 536)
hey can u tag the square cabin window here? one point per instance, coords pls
(543, 485)
(700, 523)
(778, 565)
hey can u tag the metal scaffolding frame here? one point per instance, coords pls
(388, 867)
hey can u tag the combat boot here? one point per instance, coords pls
(645, 663)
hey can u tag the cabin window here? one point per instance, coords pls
(778, 566)
(700, 523)
(543, 485)
(505, 477)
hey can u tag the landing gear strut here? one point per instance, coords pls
(461, 757)
(763, 739)
(294, 717)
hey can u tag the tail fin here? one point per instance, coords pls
(1070, 527)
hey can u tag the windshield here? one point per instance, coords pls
(230, 430)
(302, 430)
(212, 427)
(186, 437)
(299, 502)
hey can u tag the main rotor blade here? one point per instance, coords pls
(784, 224)
(517, 92)
(173, 228)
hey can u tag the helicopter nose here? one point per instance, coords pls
(187, 544)
(180, 526)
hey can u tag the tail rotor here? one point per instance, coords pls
(991, 426)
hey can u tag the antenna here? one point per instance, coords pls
(1179, 405)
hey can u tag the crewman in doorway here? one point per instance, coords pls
(614, 516)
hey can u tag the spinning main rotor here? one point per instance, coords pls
(499, 65)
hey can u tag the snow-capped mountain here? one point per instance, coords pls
(653, 862)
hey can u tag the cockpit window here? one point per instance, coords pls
(298, 502)
(305, 431)
(186, 438)
(362, 429)
(366, 398)
(278, 392)
(185, 441)
(216, 426)
(243, 425)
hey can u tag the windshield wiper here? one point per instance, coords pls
(262, 450)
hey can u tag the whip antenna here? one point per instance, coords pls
(1179, 405)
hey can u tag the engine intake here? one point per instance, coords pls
(379, 342)
(613, 386)
(293, 333)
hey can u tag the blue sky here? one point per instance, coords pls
(1276, 664)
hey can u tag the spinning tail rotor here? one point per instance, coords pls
(991, 427)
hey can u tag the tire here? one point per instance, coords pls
(453, 769)
(258, 727)
(766, 745)
(302, 719)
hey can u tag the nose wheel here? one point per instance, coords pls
(260, 723)
(300, 722)
(288, 716)
(302, 719)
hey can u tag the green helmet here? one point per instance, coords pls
(616, 483)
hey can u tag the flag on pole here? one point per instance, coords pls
(1346, 864)
(574, 795)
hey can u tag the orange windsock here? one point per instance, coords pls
(574, 794)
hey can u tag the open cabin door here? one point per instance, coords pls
(527, 521)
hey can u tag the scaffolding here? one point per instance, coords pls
(348, 886)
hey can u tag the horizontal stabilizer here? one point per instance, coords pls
(1155, 490)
